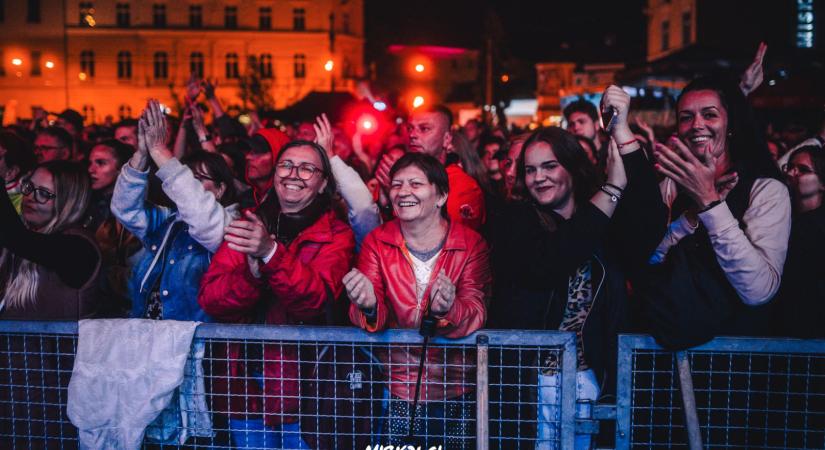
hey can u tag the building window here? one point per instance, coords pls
(300, 66)
(88, 113)
(196, 64)
(159, 15)
(87, 14)
(231, 65)
(123, 15)
(161, 63)
(345, 23)
(686, 27)
(124, 111)
(195, 16)
(230, 17)
(266, 65)
(35, 68)
(347, 71)
(124, 65)
(33, 11)
(665, 35)
(87, 63)
(299, 17)
(265, 18)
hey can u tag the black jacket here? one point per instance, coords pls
(532, 266)
(799, 308)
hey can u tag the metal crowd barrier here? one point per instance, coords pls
(333, 383)
(749, 393)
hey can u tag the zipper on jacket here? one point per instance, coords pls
(593, 304)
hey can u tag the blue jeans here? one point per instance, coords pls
(549, 408)
(253, 433)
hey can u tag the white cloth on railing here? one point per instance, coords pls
(187, 414)
(126, 372)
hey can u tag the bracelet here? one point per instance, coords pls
(205, 138)
(619, 146)
(613, 197)
(621, 191)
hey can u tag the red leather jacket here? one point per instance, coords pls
(464, 258)
(301, 278)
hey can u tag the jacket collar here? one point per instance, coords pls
(320, 231)
(390, 233)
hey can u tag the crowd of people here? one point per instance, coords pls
(592, 229)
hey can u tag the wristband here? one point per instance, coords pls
(613, 197)
(619, 146)
(621, 191)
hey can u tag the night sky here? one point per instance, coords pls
(529, 31)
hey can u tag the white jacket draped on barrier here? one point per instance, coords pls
(125, 373)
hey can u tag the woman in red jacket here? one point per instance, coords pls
(281, 264)
(417, 265)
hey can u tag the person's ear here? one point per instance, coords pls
(323, 186)
(448, 139)
(221, 191)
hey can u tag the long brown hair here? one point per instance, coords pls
(21, 277)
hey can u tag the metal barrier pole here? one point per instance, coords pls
(482, 393)
(694, 434)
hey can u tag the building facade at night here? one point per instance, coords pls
(107, 57)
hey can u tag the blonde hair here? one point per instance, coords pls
(72, 197)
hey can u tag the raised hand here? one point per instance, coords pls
(208, 88)
(755, 73)
(442, 294)
(324, 135)
(193, 88)
(197, 121)
(651, 136)
(382, 173)
(617, 98)
(249, 236)
(156, 130)
(695, 173)
(360, 290)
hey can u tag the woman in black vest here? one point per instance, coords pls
(723, 255)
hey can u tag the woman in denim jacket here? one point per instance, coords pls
(179, 242)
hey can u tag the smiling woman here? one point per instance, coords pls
(721, 261)
(423, 268)
(281, 264)
(37, 280)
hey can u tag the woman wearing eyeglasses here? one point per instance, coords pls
(799, 309)
(281, 264)
(178, 241)
(48, 263)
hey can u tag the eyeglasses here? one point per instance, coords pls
(41, 195)
(305, 171)
(799, 168)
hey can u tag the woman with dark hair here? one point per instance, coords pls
(178, 241)
(799, 308)
(281, 264)
(722, 257)
(421, 267)
(117, 245)
(37, 279)
(561, 260)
